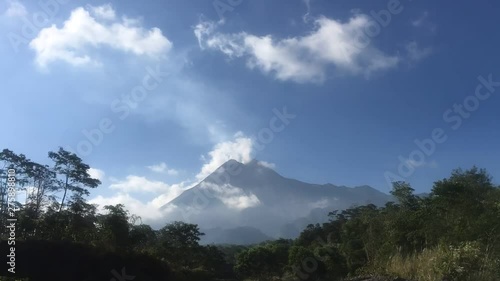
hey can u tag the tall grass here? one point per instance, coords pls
(466, 262)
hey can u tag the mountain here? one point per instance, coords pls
(254, 197)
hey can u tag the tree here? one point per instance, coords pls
(17, 163)
(142, 238)
(257, 262)
(213, 261)
(310, 235)
(180, 235)
(405, 222)
(43, 183)
(462, 204)
(305, 264)
(266, 261)
(179, 242)
(114, 227)
(404, 193)
(73, 172)
(82, 220)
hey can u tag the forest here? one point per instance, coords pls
(451, 233)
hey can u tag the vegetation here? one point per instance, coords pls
(453, 233)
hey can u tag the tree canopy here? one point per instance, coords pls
(452, 232)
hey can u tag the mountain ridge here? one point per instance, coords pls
(238, 195)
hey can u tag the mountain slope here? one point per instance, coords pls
(252, 195)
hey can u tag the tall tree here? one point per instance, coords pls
(404, 193)
(73, 173)
(43, 180)
(462, 203)
(11, 161)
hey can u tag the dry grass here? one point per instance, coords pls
(464, 263)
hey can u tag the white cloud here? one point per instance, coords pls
(303, 58)
(267, 164)
(233, 197)
(415, 53)
(176, 190)
(15, 9)
(203, 30)
(147, 211)
(239, 149)
(140, 184)
(82, 32)
(104, 12)
(322, 203)
(96, 174)
(163, 168)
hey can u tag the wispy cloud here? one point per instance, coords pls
(267, 164)
(233, 197)
(240, 148)
(307, 16)
(415, 53)
(302, 59)
(139, 184)
(103, 12)
(163, 168)
(15, 9)
(424, 21)
(421, 20)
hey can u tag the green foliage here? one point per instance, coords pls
(178, 243)
(453, 233)
(263, 262)
(142, 238)
(416, 238)
(114, 228)
(46, 217)
(73, 173)
(180, 235)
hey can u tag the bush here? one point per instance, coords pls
(456, 263)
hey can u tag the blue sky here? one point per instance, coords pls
(360, 81)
